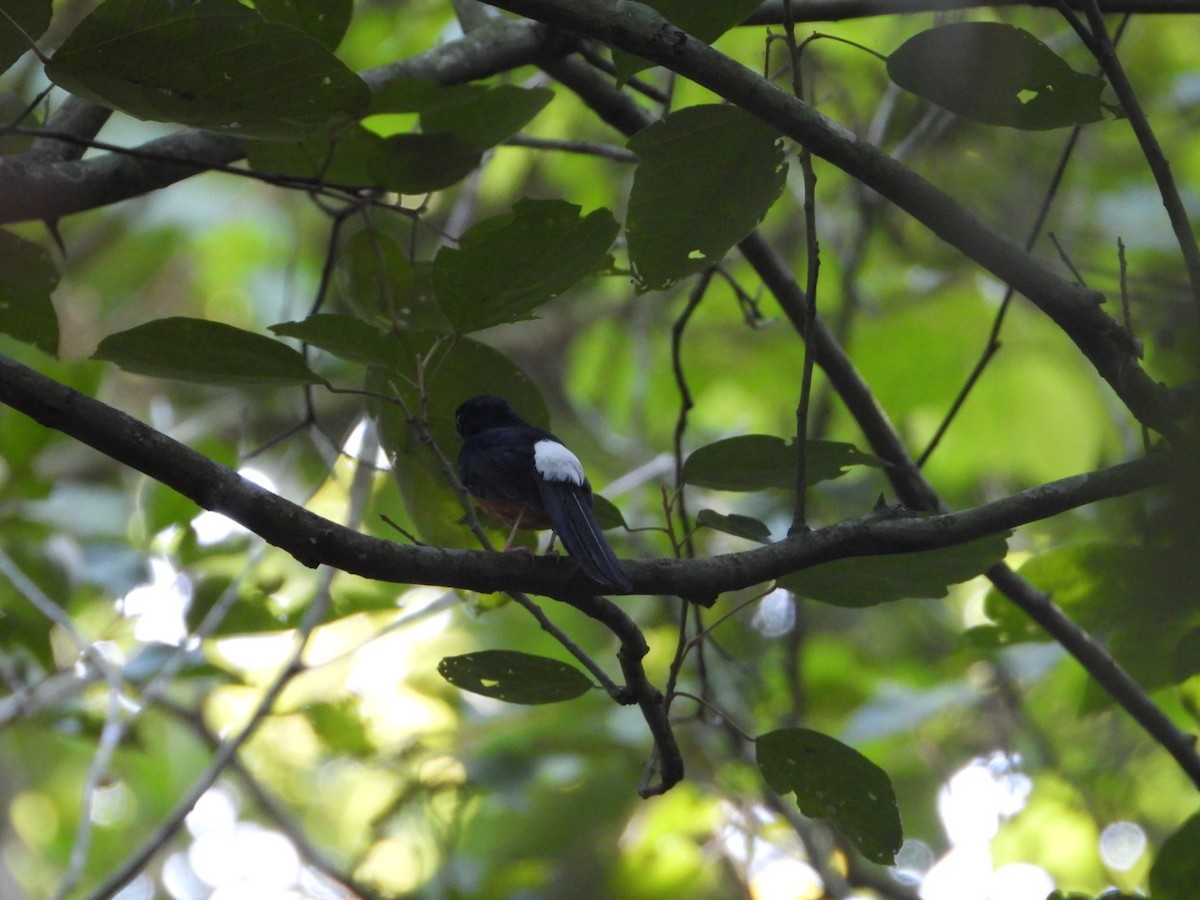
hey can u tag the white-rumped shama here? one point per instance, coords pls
(524, 477)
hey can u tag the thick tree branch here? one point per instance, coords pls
(641, 30)
(771, 12)
(314, 540)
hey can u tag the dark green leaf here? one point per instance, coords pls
(867, 580)
(421, 163)
(483, 117)
(27, 276)
(737, 525)
(997, 74)
(835, 782)
(325, 20)
(378, 283)
(707, 175)
(346, 337)
(507, 266)
(515, 677)
(756, 462)
(214, 64)
(15, 111)
(33, 16)
(1176, 871)
(206, 353)
(706, 21)
(345, 158)
(607, 513)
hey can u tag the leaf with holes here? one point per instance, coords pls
(213, 64)
(706, 177)
(515, 677)
(997, 74)
(835, 782)
(205, 353)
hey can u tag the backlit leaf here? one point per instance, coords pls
(756, 462)
(206, 353)
(214, 64)
(836, 782)
(27, 276)
(867, 580)
(997, 74)
(515, 677)
(707, 175)
(507, 266)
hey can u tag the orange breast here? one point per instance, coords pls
(506, 512)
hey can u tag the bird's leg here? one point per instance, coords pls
(513, 534)
(550, 551)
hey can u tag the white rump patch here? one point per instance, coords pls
(554, 462)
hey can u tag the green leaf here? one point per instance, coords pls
(607, 513)
(27, 277)
(756, 462)
(707, 175)
(422, 163)
(325, 20)
(377, 282)
(346, 337)
(706, 21)
(515, 677)
(1139, 595)
(346, 158)
(483, 117)
(997, 74)
(1176, 871)
(341, 728)
(737, 525)
(34, 18)
(205, 353)
(507, 266)
(867, 580)
(213, 64)
(835, 782)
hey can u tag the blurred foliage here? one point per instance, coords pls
(552, 269)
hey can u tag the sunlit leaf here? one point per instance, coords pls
(206, 353)
(867, 580)
(507, 266)
(997, 74)
(27, 276)
(214, 64)
(756, 462)
(737, 525)
(33, 16)
(515, 677)
(707, 175)
(1176, 870)
(341, 728)
(835, 782)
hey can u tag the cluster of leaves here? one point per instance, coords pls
(399, 311)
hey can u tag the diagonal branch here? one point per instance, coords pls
(1077, 311)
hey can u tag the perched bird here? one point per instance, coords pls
(523, 476)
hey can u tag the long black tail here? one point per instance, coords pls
(569, 508)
